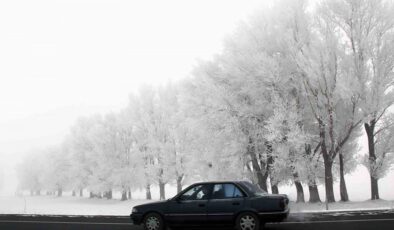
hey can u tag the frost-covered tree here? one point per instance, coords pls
(30, 173)
(126, 174)
(82, 152)
(180, 136)
(347, 160)
(225, 97)
(367, 27)
(57, 167)
(141, 149)
(314, 170)
(237, 88)
(384, 152)
(328, 79)
(288, 138)
(154, 143)
(111, 144)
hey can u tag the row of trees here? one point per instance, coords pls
(286, 102)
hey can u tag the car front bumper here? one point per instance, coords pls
(136, 218)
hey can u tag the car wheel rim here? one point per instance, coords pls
(247, 222)
(152, 223)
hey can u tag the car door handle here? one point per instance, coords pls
(201, 205)
(236, 203)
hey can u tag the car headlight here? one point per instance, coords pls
(134, 210)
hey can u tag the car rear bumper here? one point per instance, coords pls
(136, 218)
(273, 216)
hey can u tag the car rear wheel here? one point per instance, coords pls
(247, 221)
(153, 221)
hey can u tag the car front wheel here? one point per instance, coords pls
(153, 221)
(247, 221)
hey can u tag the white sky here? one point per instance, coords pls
(63, 59)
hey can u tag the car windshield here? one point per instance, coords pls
(253, 189)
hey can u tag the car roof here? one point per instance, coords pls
(222, 182)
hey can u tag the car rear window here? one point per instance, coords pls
(223, 191)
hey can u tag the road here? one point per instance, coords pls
(360, 220)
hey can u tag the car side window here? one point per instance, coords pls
(199, 192)
(225, 191)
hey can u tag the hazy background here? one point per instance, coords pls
(63, 59)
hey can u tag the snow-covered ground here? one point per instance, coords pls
(342, 206)
(65, 205)
(85, 206)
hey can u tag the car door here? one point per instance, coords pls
(190, 208)
(226, 200)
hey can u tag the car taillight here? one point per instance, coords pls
(283, 202)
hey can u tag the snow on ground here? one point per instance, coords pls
(65, 205)
(342, 206)
(68, 205)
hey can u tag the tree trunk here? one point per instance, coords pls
(261, 178)
(327, 159)
(299, 188)
(268, 165)
(274, 189)
(274, 184)
(328, 179)
(179, 183)
(59, 192)
(109, 194)
(81, 192)
(370, 130)
(342, 183)
(73, 193)
(313, 190)
(124, 195)
(374, 189)
(129, 194)
(91, 195)
(162, 189)
(313, 193)
(148, 193)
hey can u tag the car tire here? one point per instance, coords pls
(247, 221)
(153, 221)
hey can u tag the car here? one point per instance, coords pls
(227, 203)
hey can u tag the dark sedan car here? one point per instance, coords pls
(233, 203)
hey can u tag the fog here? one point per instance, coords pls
(60, 60)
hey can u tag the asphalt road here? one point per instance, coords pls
(360, 220)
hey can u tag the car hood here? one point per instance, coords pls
(150, 204)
